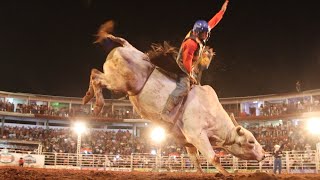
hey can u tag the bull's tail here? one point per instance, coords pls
(104, 29)
(107, 40)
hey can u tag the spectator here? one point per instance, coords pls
(21, 162)
(277, 154)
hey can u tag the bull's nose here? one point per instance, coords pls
(262, 158)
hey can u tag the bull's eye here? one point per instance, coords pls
(251, 141)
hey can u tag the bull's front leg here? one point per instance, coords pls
(215, 161)
(201, 141)
(194, 157)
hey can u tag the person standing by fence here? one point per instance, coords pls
(277, 154)
(21, 162)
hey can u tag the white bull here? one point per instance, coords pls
(202, 121)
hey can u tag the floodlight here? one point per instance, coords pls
(313, 125)
(79, 127)
(158, 134)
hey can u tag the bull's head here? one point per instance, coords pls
(242, 144)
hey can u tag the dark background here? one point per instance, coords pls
(262, 47)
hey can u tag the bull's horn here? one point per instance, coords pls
(234, 119)
(239, 131)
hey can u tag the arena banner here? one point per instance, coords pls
(30, 160)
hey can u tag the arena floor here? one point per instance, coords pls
(32, 173)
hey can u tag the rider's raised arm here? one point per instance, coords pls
(217, 17)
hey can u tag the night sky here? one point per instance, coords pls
(262, 47)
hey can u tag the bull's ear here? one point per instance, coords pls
(239, 131)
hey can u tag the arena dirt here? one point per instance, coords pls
(32, 173)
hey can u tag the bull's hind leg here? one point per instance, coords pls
(95, 89)
(194, 157)
(89, 94)
(202, 143)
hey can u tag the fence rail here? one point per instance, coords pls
(292, 162)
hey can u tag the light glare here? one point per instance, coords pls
(79, 127)
(158, 134)
(314, 125)
(153, 152)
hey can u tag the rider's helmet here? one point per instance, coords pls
(200, 26)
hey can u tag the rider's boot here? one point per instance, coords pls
(171, 103)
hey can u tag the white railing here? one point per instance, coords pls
(292, 162)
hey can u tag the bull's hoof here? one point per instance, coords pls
(229, 178)
(87, 98)
(200, 171)
(219, 175)
(222, 173)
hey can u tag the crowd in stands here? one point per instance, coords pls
(113, 142)
(297, 107)
(276, 109)
(266, 109)
(65, 111)
(64, 140)
(6, 106)
(295, 137)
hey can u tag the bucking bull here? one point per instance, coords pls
(199, 123)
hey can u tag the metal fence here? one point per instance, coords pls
(292, 162)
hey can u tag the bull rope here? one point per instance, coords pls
(138, 92)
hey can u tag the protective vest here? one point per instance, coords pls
(196, 55)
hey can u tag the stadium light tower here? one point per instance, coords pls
(313, 126)
(79, 128)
